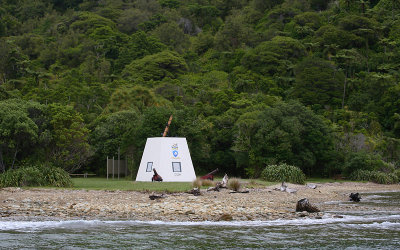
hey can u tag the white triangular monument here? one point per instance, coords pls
(170, 157)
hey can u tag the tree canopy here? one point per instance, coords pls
(313, 84)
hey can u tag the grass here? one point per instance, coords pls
(96, 183)
(124, 184)
(325, 180)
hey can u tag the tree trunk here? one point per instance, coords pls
(15, 156)
(344, 90)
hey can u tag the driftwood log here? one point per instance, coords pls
(224, 181)
(216, 188)
(284, 188)
(154, 196)
(220, 184)
(305, 205)
(195, 191)
(240, 192)
(355, 197)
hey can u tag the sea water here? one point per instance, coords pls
(371, 229)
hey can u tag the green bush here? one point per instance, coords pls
(39, 175)
(366, 161)
(283, 172)
(397, 173)
(374, 176)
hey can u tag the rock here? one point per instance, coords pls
(291, 190)
(303, 214)
(312, 186)
(355, 197)
(304, 205)
(225, 217)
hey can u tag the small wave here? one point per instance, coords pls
(358, 221)
(39, 225)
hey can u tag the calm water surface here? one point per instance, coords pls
(356, 230)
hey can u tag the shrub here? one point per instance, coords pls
(37, 175)
(197, 183)
(207, 183)
(374, 176)
(234, 184)
(366, 161)
(283, 172)
(361, 175)
(397, 173)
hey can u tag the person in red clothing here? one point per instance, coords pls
(156, 176)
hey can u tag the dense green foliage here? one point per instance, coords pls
(250, 83)
(374, 176)
(36, 175)
(283, 172)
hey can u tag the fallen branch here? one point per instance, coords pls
(219, 185)
(241, 192)
(216, 188)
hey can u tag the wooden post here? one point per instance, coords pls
(107, 167)
(167, 127)
(113, 167)
(126, 166)
(118, 163)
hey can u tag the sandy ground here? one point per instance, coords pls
(259, 204)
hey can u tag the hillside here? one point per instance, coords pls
(310, 83)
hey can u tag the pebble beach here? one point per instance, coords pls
(259, 204)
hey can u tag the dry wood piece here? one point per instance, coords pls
(224, 181)
(284, 188)
(154, 196)
(304, 205)
(241, 192)
(216, 188)
(195, 192)
(219, 185)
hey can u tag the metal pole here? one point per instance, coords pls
(113, 167)
(107, 167)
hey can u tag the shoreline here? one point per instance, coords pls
(260, 204)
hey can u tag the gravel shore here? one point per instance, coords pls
(259, 204)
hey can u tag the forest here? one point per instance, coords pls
(250, 83)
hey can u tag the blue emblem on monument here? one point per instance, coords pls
(175, 149)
